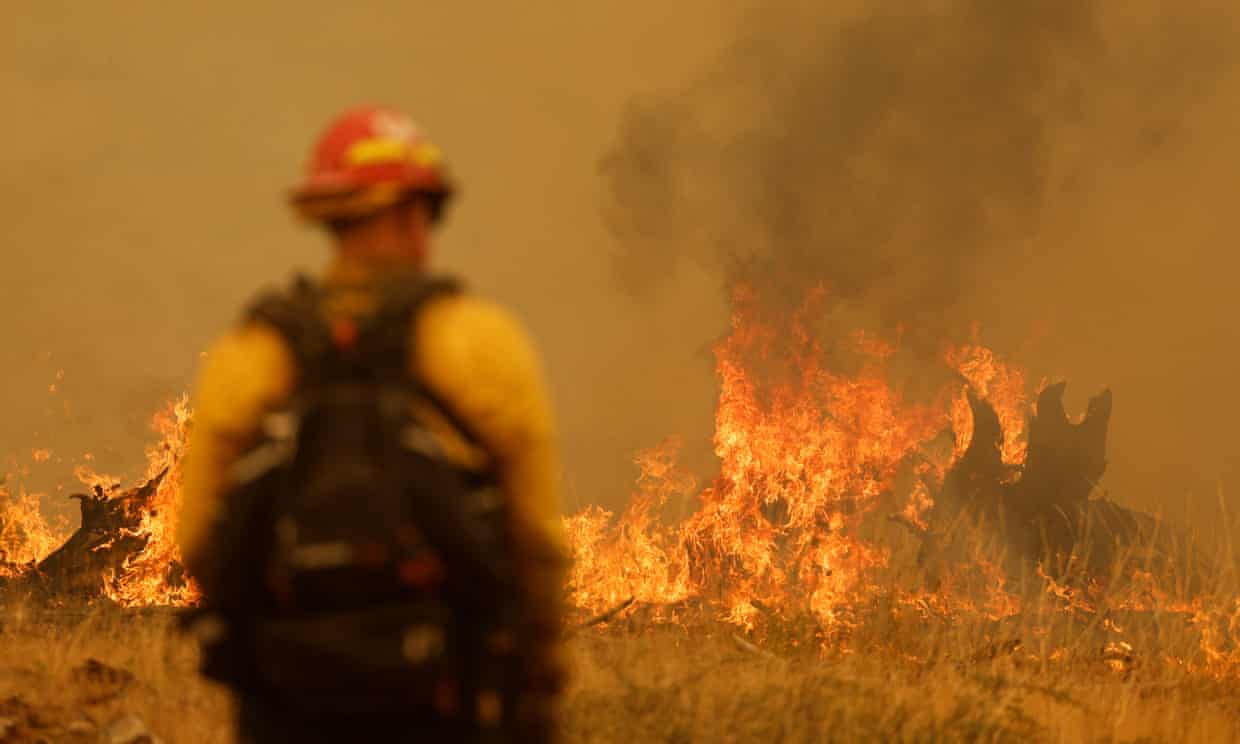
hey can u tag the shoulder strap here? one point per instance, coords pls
(391, 340)
(387, 337)
(385, 342)
(296, 315)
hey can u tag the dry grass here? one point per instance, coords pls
(704, 687)
(913, 683)
(43, 657)
(894, 670)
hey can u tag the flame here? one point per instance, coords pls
(26, 536)
(634, 557)
(154, 576)
(1001, 385)
(805, 454)
(1071, 598)
(800, 464)
(919, 503)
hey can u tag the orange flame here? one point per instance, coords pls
(634, 557)
(26, 536)
(805, 454)
(1002, 386)
(150, 577)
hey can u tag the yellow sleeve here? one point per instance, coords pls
(480, 361)
(247, 373)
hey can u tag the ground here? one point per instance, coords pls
(103, 675)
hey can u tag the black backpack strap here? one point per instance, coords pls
(391, 339)
(388, 337)
(385, 342)
(296, 314)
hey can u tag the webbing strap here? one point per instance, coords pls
(378, 347)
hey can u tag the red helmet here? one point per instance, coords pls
(368, 159)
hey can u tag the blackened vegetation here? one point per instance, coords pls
(1045, 512)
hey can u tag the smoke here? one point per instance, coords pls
(1037, 166)
(898, 153)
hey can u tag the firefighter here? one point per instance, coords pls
(378, 187)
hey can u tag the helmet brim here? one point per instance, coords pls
(326, 201)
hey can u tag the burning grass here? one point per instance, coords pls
(864, 566)
(1118, 665)
(1116, 660)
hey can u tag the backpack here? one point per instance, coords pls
(361, 570)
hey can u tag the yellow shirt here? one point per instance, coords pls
(468, 351)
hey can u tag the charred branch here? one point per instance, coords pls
(609, 614)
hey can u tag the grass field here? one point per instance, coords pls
(84, 677)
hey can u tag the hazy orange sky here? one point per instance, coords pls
(1064, 172)
(148, 151)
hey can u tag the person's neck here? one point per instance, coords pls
(353, 268)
